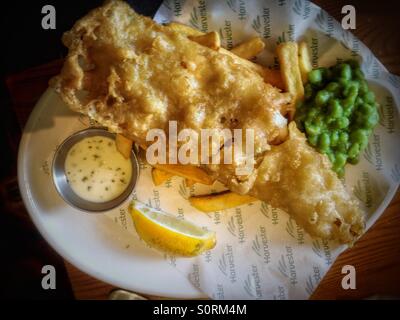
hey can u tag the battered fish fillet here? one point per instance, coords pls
(132, 75)
(299, 180)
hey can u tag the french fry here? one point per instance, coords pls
(289, 62)
(304, 61)
(189, 182)
(160, 176)
(124, 145)
(211, 40)
(187, 171)
(182, 28)
(249, 48)
(219, 201)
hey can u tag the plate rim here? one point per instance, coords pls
(29, 204)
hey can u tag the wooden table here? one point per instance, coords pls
(376, 256)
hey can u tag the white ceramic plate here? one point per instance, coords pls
(91, 242)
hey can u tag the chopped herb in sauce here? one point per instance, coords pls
(97, 172)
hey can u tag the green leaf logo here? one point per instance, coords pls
(194, 19)
(316, 248)
(256, 246)
(249, 286)
(297, 7)
(183, 191)
(358, 191)
(368, 154)
(282, 267)
(320, 19)
(309, 285)
(281, 38)
(167, 4)
(222, 265)
(232, 227)
(394, 80)
(264, 210)
(232, 5)
(256, 24)
(290, 227)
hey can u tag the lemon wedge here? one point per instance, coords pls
(168, 233)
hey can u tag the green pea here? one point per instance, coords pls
(322, 98)
(313, 140)
(336, 109)
(371, 121)
(312, 129)
(359, 101)
(369, 97)
(343, 137)
(331, 156)
(315, 76)
(341, 147)
(357, 135)
(334, 138)
(345, 71)
(343, 83)
(353, 160)
(353, 90)
(333, 87)
(366, 109)
(340, 172)
(348, 110)
(347, 103)
(342, 123)
(363, 87)
(358, 74)
(341, 159)
(354, 151)
(324, 141)
(312, 113)
(360, 136)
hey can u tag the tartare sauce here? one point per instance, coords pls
(96, 171)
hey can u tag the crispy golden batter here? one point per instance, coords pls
(296, 178)
(132, 75)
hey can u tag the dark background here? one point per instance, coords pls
(24, 44)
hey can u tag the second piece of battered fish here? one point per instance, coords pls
(297, 179)
(132, 75)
